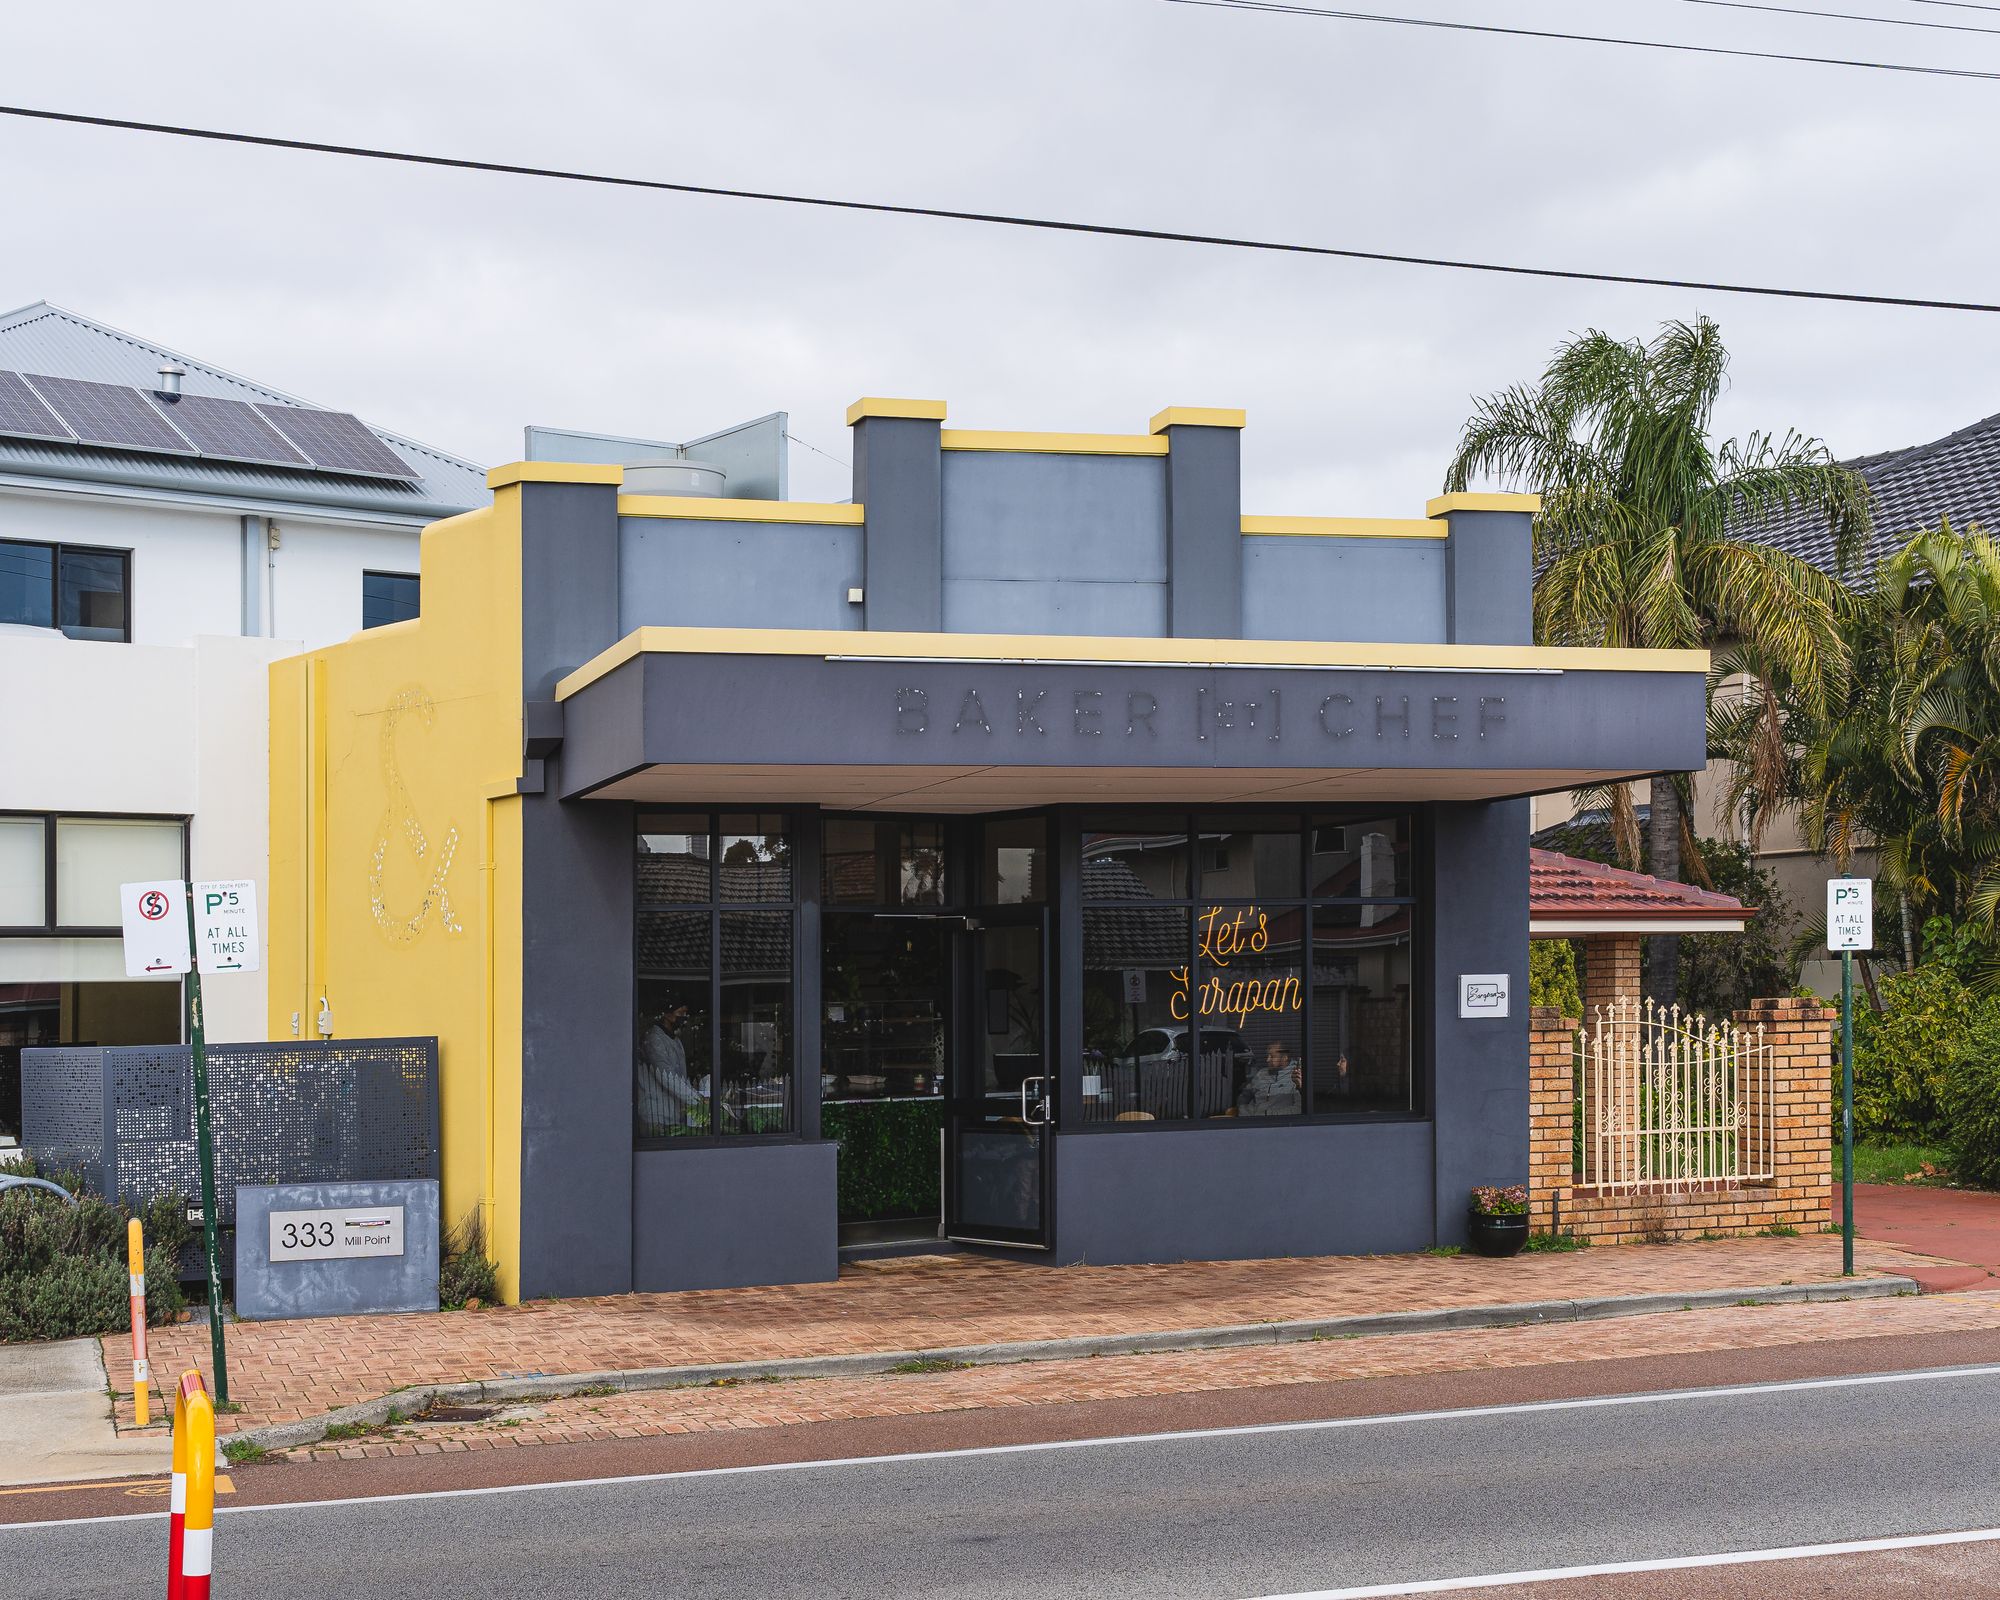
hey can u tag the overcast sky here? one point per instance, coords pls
(457, 307)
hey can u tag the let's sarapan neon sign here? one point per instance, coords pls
(1224, 936)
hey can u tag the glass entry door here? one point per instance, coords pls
(1002, 1088)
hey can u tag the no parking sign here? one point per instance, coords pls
(156, 928)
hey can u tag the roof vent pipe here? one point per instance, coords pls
(170, 378)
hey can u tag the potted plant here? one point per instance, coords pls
(1497, 1220)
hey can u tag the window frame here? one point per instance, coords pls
(1193, 822)
(715, 908)
(49, 927)
(416, 578)
(57, 551)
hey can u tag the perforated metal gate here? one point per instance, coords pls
(123, 1115)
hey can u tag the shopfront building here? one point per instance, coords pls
(1037, 853)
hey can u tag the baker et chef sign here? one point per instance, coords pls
(1139, 714)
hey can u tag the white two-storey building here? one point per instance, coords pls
(166, 529)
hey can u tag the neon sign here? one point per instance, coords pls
(1224, 937)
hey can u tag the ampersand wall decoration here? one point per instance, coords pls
(400, 816)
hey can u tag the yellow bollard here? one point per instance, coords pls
(135, 1261)
(191, 1510)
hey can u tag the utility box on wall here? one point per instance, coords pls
(336, 1249)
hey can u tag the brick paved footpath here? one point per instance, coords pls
(282, 1371)
(775, 1404)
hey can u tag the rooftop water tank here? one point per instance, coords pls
(672, 476)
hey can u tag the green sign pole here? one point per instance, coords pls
(1847, 1112)
(205, 1151)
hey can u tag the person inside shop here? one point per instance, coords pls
(669, 1103)
(1274, 1089)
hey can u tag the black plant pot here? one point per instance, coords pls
(1497, 1236)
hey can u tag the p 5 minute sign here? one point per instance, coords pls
(1850, 914)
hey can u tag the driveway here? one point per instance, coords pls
(55, 1418)
(1962, 1225)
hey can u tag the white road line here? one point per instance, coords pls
(1606, 1569)
(1322, 1425)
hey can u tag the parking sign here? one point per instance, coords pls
(1850, 914)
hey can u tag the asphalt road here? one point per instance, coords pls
(1284, 1510)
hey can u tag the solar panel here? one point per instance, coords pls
(23, 414)
(228, 429)
(338, 442)
(109, 414)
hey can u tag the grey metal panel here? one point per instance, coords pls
(675, 572)
(1489, 593)
(726, 1217)
(1204, 528)
(752, 453)
(982, 605)
(1479, 924)
(1216, 1194)
(576, 945)
(896, 480)
(783, 710)
(600, 449)
(1388, 590)
(263, 1288)
(63, 1115)
(1024, 515)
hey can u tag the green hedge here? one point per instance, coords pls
(1905, 1054)
(888, 1157)
(63, 1269)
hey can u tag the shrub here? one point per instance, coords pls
(1972, 1109)
(1552, 976)
(1904, 1054)
(465, 1272)
(1509, 1202)
(63, 1267)
(888, 1157)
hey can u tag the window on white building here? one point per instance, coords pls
(94, 855)
(388, 597)
(85, 592)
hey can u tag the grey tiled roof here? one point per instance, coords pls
(1957, 476)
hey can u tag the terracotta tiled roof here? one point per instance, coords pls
(1565, 888)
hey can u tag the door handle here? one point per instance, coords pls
(1041, 1099)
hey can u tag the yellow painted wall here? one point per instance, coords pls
(395, 865)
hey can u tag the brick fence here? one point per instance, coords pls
(1800, 1036)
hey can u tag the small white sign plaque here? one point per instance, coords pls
(1482, 994)
(337, 1235)
(1850, 914)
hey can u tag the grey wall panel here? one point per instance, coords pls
(569, 580)
(1479, 925)
(1122, 610)
(1387, 590)
(723, 1218)
(1207, 1194)
(1490, 591)
(341, 1286)
(1026, 515)
(1204, 528)
(896, 472)
(676, 573)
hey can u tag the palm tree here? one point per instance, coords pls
(1636, 542)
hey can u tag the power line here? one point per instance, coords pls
(1956, 5)
(993, 218)
(1844, 16)
(1275, 8)
(815, 449)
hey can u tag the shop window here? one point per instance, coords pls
(94, 855)
(714, 942)
(388, 597)
(1280, 987)
(865, 861)
(1014, 869)
(24, 856)
(82, 591)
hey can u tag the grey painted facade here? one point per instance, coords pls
(1033, 542)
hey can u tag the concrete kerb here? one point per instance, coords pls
(404, 1403)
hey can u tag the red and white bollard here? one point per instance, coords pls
(191, 1509)
(135, 1261)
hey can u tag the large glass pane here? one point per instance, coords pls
(756, 856)
(1249, 862)
(388, 597)
(673, 859)
(1355, 859)
(92, 598)
(1137, 1029)
(998, 1158)
(1014, 868)
(1251, 1003)
(23, 869)
(865, 862)
(27, 584)
(756, 1030)
(96, 854)
(1140, 863)
(1361, 1009)
(671, 1075)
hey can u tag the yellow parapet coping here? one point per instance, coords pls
(1196, 417)
(878, 406)
(553, 472)
(1445, 504)
(1093, 650)
(711, 510)
(1061, 444)
(1346, 527)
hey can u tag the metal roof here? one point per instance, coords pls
(46, 338)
